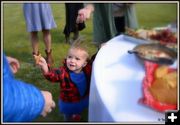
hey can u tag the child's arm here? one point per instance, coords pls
(53, 75)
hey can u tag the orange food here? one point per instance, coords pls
(164, 87)
(171, 79)
(163, 93)
(37, 58)
(161, 71)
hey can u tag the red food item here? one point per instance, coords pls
(147, 98)
(164, 36)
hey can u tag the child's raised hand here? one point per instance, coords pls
(37, 58)
(40, 61)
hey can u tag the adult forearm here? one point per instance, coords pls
(21, 101)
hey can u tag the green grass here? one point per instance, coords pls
(156, 15)
(16, 42)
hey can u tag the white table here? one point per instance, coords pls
(116, 86)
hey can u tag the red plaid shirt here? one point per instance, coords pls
(68, 90)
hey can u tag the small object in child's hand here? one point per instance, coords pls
(37, 58)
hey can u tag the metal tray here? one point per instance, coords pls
(145, 52)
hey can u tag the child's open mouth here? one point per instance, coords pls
(71, 65)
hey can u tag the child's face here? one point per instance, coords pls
(76, 60)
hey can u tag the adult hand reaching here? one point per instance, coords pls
(14, 64)
(49, 103)
(85, 13)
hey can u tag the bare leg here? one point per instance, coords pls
(34, 42)
(47, 42)
(47, 39)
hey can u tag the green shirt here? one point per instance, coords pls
(103, 23)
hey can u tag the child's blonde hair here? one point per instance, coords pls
(80, 44)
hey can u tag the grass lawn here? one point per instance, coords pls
(16, 42)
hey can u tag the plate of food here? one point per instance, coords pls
(166, 38)
(163, 36)
(139, 35)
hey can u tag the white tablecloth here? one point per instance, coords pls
(116, 86)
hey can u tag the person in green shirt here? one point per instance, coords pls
(103, 22)
(104, 27)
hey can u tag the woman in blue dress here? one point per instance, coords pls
(39, 17)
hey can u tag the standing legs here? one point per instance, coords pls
(34, 42)
(47, 42)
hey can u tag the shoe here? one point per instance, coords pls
(37, 54)
(49, 58)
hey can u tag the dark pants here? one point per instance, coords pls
(120, 24)
(71, 16)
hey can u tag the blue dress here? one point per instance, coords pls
(22, 102)
(38, 16)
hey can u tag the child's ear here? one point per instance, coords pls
(85, 64)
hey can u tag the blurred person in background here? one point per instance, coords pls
(71, 25)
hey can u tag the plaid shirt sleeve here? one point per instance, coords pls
(54, 75)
